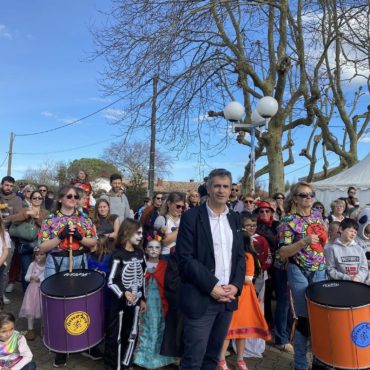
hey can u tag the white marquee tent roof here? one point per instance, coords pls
(336, 186)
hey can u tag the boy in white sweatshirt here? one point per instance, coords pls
(345, 259)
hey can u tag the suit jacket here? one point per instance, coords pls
(196, 260)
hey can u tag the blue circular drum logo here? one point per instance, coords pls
(361, 335)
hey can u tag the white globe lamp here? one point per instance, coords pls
(234, 111)
(267, 107)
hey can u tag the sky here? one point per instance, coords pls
(46, 82)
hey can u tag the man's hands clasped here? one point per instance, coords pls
(224, 293)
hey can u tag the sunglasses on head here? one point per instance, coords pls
(70, 196)
(311, 194)
(179, 206)
(37, 198)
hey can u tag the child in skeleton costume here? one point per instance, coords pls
(152, 323)
(126, 282)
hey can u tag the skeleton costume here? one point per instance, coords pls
(127, 274)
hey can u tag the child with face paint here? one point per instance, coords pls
(152, 323)
(31, 305)
(127, 300)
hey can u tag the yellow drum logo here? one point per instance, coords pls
(77, 323)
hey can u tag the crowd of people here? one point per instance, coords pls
(188, 273)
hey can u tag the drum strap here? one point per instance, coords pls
(59, 265)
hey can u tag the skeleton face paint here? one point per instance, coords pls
(153, 249)
(136, 238)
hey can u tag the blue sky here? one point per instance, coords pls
(46, 82)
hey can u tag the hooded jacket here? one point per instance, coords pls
(344, 262)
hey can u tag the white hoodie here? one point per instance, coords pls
(344, 262)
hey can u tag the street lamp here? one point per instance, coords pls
(266, 108)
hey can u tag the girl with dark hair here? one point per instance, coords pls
(252, 325)
(126, 284)
(14, 351)
(169, 220)
(106, 224)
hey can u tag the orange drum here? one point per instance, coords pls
(339, 315)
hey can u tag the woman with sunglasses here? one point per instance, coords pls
(169, 220)
(249, 205)
(26, 192)
(55, 237)
(63, 222)
(35, 215)
(279, 198)
(302, 239)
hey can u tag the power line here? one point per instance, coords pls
(6, 157)
(65, 150)
(87, 116)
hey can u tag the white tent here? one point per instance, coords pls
(336, 186)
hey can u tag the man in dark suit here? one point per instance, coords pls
(212, 269)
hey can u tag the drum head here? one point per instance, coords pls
(339, 293)
(75, 284)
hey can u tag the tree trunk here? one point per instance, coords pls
(275, 159)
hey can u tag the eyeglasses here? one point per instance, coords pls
(312, 194)
(282, 198)
(250, 225)
(264, 211)
(236, 190)
(43, 190)
(70, 196)
(179, 206)
(249, 201)
(37, 198)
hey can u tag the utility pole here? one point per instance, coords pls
(152, 138)
(10, 154)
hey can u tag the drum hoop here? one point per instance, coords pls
(341, 367)
(80, 350)
(337, 308)
(69, 298)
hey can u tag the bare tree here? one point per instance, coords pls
(133, 160)
(207, 53)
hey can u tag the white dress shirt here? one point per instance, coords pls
(222, 237)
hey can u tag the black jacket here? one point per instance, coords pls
(195, 256)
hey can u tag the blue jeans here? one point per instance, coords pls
(78, 263)
(298, 281)
(30, 366)
(282, 327)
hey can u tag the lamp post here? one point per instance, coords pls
(266, 108)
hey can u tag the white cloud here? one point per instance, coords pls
(4, 33)
(364, 139)
(114, 114)
(58, 118)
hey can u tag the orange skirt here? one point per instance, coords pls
(248, 320)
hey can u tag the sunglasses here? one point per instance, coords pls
(319, 207)
(264, 211)
(178, 206)
(237, 190)
(158, 198)
(249, 201)
(37, 198)
(70, 196)
(282, 198)
(250, 225)
(312, 194)
(43, 190)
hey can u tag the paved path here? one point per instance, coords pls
(273, 359)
